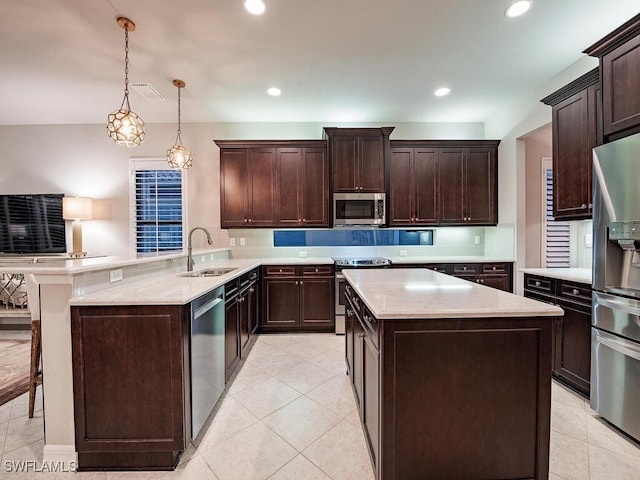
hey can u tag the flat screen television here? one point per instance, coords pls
(32, 224)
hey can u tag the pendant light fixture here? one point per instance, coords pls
(179, 156)
(125, 127)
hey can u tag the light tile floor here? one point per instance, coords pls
(290, 414)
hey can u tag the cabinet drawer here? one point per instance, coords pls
(280, 271)
(464, 268)
(317, 270)
(370, 325)
(495, 268)
(540, 284)
(439, 267)
(576, 292)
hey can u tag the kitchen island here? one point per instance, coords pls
(452, 379)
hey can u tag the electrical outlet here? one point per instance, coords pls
(302, 253)
(477, 240)
(211, 256)
(232, 242)
(203, 258)
(242, 242)
(115, 275)
(403, 253)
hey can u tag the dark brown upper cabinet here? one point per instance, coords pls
(266, 183)
(619, 54)
(302, 187)
(413, 185)
(468, 182)
(576, 130)
(357, 157)
(247, 180)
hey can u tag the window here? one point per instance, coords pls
(157, 200)
(556, 235)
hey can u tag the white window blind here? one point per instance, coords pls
(158, 210)
(557, 235)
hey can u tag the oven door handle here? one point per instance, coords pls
(618, 344)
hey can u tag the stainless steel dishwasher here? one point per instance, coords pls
(207, 356)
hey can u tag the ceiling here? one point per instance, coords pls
(335, 60)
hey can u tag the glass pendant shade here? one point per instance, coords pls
(179, 156)
(125, 127)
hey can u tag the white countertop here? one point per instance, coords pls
(172, 288)
(418, 293)
(581, 275)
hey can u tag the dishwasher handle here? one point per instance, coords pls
(205, 307)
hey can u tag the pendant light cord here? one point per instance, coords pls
(125, 100)
(178, 137)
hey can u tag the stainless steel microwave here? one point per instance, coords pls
(350, 209)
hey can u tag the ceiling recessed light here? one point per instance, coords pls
(520, 7)
(441, 92)
(274, 91)
(256, 7)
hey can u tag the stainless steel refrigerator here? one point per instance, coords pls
(615, 332)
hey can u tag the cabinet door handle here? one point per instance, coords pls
(583, 206)
(590, 206)
(250, 220)
(280, 270)
(316, 270)
(361, 335)
(300, 283)
(246, 220)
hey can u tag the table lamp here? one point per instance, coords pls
(76, 209)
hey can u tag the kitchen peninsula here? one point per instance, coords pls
(451, 379)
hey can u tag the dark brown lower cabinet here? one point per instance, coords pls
(452, 398)
(298, 298)
(131, 386)
(572, 333)
(241, 318)
(497, 275)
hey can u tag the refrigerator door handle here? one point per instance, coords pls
(618, 344)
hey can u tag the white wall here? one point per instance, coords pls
(511, 126)
(82, 160)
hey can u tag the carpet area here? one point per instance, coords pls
(14, 368)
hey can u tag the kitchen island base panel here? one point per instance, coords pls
(465, 398)
(131, 386)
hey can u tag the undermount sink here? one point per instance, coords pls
(209, 272)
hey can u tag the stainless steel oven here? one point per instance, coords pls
(344, 263)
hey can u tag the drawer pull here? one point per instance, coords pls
(537, 283)
(494, 268)
(576, 291)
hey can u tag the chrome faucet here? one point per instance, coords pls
(189, 256)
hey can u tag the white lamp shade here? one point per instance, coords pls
(77, 208)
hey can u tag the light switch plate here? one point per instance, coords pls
(477, 240)
(232, 242)
(302, 253)
(588, 240)
(243, 242)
